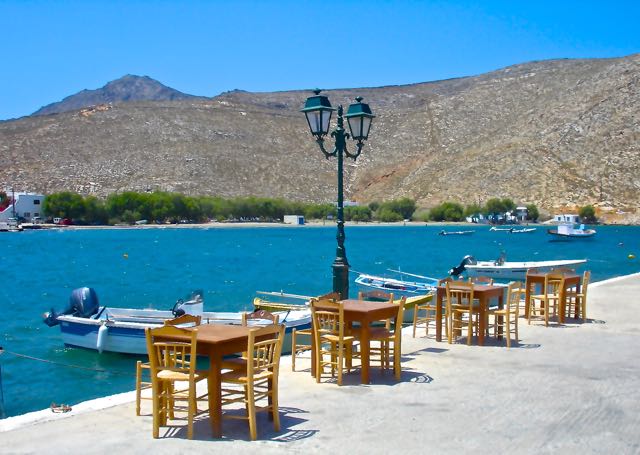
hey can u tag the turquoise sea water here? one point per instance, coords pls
(142, 268)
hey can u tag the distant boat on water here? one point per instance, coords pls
(443, 232)
(567, 232)
(513, 230)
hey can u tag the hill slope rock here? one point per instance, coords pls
(558, 133)
(127, 88)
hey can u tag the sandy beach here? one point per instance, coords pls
(563, 389)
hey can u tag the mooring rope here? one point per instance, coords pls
(99, 370)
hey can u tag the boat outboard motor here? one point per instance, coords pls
(82, 303)
(467, 260)
(194, 305)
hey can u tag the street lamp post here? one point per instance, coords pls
(318, 111)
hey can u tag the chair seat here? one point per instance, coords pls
(170, 375)
(240, 377)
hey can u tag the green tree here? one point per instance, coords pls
(64, 205)
(357, 213)
(587, 214)
(532, 212)
(472, 209)
(447, 211)
(387, 215)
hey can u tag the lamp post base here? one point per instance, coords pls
(341, 278)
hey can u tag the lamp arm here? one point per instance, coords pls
(320, 142)
(354, 156)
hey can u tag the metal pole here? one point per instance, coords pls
(340, 264)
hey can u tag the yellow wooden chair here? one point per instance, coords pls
(142, 367)
(548, 299)
(298, 348)
(577, 299)
(390, 339)
(330, 337)
(259, 380)
(460, 302)
(172, 362)
(506, 319)
(429, 309)
(259, 318)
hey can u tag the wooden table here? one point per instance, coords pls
(217, 341)
(483, 293)
(571, 279)
(364, 312)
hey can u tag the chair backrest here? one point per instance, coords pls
(167, 354)
(184, 320)
(515, 293)
(260, 315)
(397, 331)
(443, 281)
(481, 280)
(586, 277)
(553, 283)
(459, 293)
(376, 295)
(327, 317)
(263, 349)
(329, 296)
(558, 270)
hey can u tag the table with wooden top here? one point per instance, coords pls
(217, 341)
(365, 312)
(484, 293)
(571, 280)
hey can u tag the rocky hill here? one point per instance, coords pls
(558, 133)
(127, 88)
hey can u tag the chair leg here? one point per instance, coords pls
(274, 404)
(415, 319)
(156, 413)
(250, 398)
(138, 385)
(191, 410)
(507, 330)
(293, 350)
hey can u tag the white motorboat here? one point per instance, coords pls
(502, 269)
(570, 232)
(85, 324)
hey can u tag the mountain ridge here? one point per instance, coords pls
(126, 88)
(558, 133)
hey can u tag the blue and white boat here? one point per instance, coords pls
(88, 325)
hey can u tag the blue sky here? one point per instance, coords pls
(53, 49)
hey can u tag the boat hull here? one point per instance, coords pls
(516, 270)
(125, 336)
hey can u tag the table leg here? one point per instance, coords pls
(215, 394)
(562, 304)
(438, 316)
(313, 353)
(483, 320)
(500, 320)
(364, 345)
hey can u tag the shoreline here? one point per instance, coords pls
(311, 224)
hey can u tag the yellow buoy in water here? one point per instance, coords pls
(125, 255)
(631, 256)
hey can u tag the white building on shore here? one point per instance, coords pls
(22, 205)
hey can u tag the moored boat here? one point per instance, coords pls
(86, 324)
(500, 269)
(443, 232)
(570, 232)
